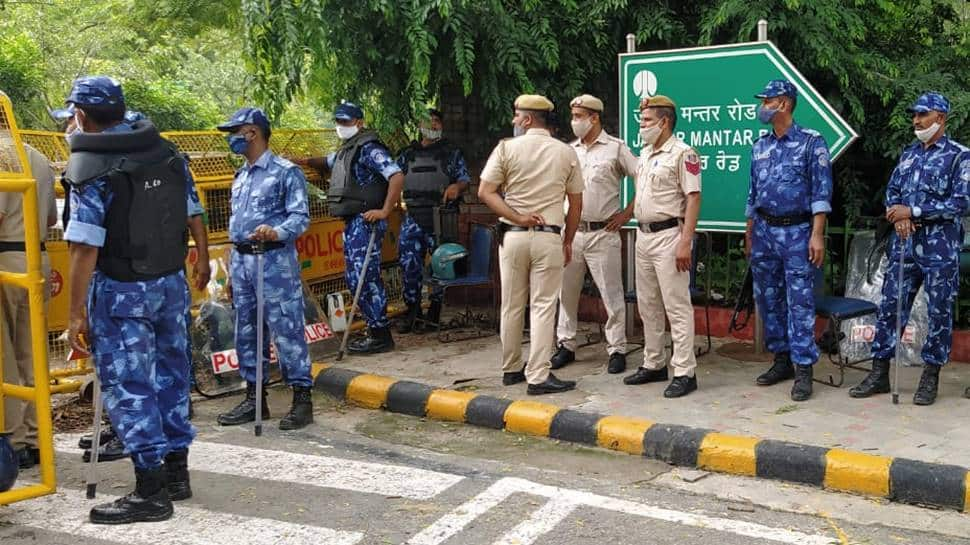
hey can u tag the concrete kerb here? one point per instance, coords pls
(895, 479)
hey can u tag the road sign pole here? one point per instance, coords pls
(763, 30)
(629, 271)
(759, 326)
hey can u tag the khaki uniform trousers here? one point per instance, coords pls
(529, 259)
(662, 289)
(601, 252)
(20, 418)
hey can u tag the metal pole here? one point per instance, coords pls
(631, 43)
(762, 30)
(629, 272)
(361, 276)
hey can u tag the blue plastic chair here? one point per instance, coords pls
(836, 310)
(479, 273)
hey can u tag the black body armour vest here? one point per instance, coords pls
(346, 197)
(425, 182)
(146, 227)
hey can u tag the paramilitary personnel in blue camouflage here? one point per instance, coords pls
(435, 174)
(789, 197)
(927, 195)
(269, 208)
(365, 185)
(128, 219)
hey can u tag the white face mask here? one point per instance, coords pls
(649, 135)
(581, 127)
(926, 134)
(345, 133)
(430, 134)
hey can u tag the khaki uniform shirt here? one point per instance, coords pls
(12, 204)
(604, 163)
(535, 172)
(665, 176)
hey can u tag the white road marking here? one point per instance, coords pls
(309, 469)
(453, 522)
(541, 522)
(67, 512)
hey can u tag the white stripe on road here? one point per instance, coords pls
(309, 469)
(453, 522)
(66, 512)
(542, 521)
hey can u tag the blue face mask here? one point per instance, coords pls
(766, 114)
(237, 143)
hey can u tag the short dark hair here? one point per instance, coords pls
(666, 112)
(434, 112)
(103, 115)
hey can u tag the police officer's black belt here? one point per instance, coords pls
(659, 225)
(252, 247)
(538, 228)
(585, 226)
(785, 221)
(18, 247)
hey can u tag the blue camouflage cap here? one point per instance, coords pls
(96, 91)
(930, 101)
(348, 111)
(777, 88)
(246, 116)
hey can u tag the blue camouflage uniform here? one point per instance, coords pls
(139, 337)
(271, 191)
(414, 243)
(935, 183)
(790, 175)
(373, 162)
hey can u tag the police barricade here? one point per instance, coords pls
(15, 176)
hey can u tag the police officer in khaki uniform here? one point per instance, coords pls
(535, 173)
(667, 204)
(605, 161)
(18, 361)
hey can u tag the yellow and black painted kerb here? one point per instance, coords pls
(897, 479)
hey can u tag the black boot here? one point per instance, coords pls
(802, 389)
(780, 370)
(107, 434)
(301, 413)
(680, 386)
(109, 452)
(432, 318)
(408, 323)
(617, 363)
(929, 382)
(177, 472)
(378, 340)
(552, 385)
(876, 382)
(246, 410)
(562, 358)
(148, 503)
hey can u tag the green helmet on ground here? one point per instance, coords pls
(448, 261)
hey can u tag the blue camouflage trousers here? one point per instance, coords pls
(283, 319)
(138, 339)
(373, 297)
(930, 260)
(412, 247)
(784, 285)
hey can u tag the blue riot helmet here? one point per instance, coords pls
(449, 261)
(8, 463)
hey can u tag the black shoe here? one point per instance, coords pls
(27, 457)
(802, 389)
(177, 474)
(876, 382)
(246, 410)
(408, 323)
(378, 340)
(562, 358)
(431, 319)
(148, 503)
(643, 376)
(617, 363)
(508, 379)
(929, 383)
(107, 434)
(681, 386)
(109, 452)
(301, 413)
(781, 369)
(552, 385)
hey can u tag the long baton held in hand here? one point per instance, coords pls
(259, 250)
(95, 439)
(899, 321)
(361, 275)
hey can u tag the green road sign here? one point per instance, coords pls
(714, 90)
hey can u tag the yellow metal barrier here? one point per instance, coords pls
(15, 176)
